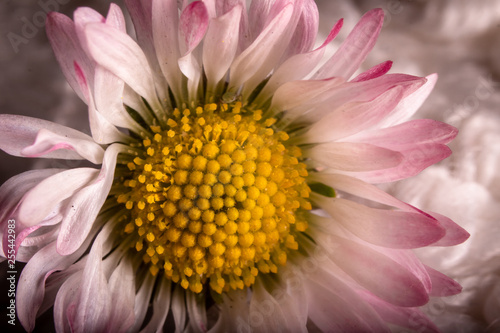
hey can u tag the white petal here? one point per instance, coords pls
(257, 61)
(220, 45)
(122, 290)
(102, 130)
(141, 302)
(178, 307)
(161, 305)
(166, 42)
(120, 54)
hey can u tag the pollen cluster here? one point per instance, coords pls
(212, 197)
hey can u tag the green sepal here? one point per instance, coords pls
(323, 189)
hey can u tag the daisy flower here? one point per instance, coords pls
(235, 189)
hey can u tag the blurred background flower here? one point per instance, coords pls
(458, 39)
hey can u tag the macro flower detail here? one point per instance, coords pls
(236, 187)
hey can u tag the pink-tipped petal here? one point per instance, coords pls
(115, 18)
(298, 66)
(410, 104)
(356, 157)
(82, 17)
(412, 132)
(356, 92)
(220, 45)
(193, 24)
(416, 159)
(379, 274)
(393, 229)
(455, 234)
(12, 191)
(355, 48)
(85, 205)
(337, 310)
(67, 48)
(374, 72)
(411, 318)
(363, 190)
(353, 118)
(442, 285)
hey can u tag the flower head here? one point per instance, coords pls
(235, 172)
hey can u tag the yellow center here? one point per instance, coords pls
(213, 197)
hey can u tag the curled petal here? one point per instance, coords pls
(47, 141)
(19, 132)
(42, 199)
(84, 206)
(31, 287)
